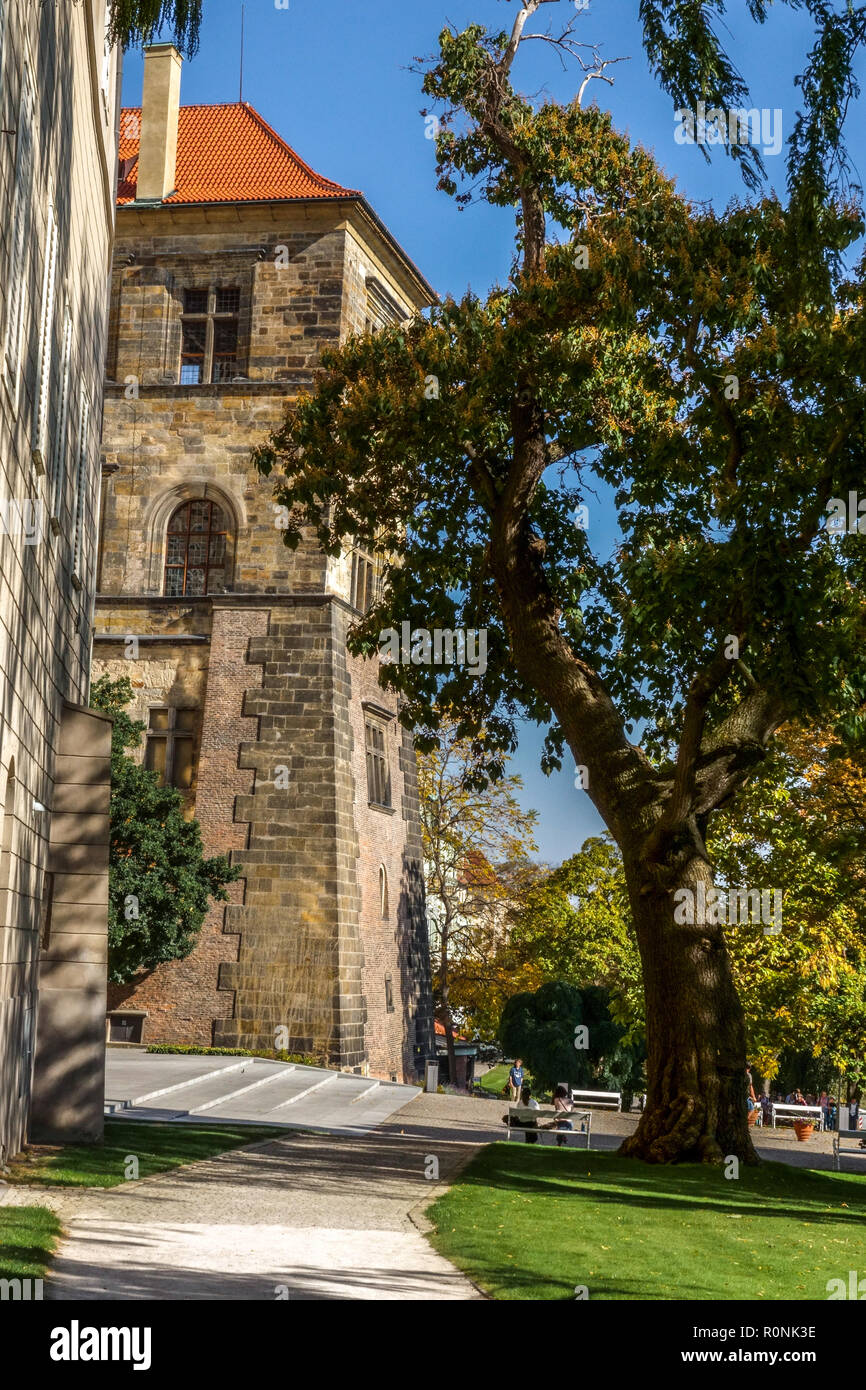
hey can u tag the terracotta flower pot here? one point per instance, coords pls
(803, 1130)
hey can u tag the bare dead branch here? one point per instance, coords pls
(599, 73)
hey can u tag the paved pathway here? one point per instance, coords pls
(306, 1216)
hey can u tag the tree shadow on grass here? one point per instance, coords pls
(783, 1191)
(16, 1259)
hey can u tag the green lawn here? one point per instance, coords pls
(158, 1147)
(495, 1079)
(527, 1222)
(27, 1237)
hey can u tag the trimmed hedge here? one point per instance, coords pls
(305, 1059)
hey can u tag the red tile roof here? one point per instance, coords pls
(225, 154)
(439, 1029)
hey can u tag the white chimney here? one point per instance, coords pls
(160, 103)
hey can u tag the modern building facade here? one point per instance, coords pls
(58, 160)
(235, 265)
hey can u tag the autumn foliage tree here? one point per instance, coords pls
(572, 924)
(702, 369)
(802, 824)
(477, 838)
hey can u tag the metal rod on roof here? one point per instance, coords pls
(241, 91)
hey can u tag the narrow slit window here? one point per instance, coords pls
(378, 774)
(364, 580)
(383, 892)
(21, 223)
(81, 487)
(61, 434)
(46, 344)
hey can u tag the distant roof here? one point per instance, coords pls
(439, 1029)
(225, 154)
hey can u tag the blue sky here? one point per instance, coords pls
(332, 77)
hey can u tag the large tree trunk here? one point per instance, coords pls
(696, 1042)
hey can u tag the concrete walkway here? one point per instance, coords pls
(303, 1217)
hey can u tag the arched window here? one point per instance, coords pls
(383, 891)
(195, 553)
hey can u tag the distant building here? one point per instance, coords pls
(479, 896)
(235, 265)
(58, 104)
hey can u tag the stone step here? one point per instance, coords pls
(249, 1090)
(276, 1107)
(135, 1077)
(224, 1088)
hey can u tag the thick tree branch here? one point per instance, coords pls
(621, 778)
(680, 802)
(731, 750)
(527, 10)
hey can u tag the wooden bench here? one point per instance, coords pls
(847, 1140)
(524, 1114)
(814, 1113)
(604, 1100)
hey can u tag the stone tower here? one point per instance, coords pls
(235, 265)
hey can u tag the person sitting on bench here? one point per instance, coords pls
(528, 1102)
(563, 1105)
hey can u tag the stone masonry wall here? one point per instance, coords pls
(48, 532)
(182, 999)
(299, 965)
(392, 947)
(281, 782)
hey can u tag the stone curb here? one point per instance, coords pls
(417, 1215)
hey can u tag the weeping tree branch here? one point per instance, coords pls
(133, 22)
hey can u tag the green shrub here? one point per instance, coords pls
(542, 1029)
(304, 1059)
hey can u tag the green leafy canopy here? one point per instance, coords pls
(700, 373)
(542, 1028)
(160, 883)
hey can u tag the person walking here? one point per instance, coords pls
(752, 1105)
(515, 1081)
